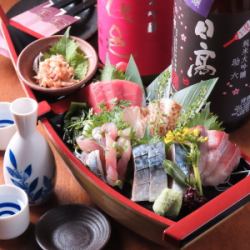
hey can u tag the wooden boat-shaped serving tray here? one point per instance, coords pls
(139, 219)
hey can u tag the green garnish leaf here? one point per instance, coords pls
(110, 72)
(205, 118)
(81, 70)
(73, 121)
(147, 139)
(197, 93)
(106, 116)
(70, 50)
(175, 172)
(60, 47)
(160, 87)
(132, 73)
(192, 99)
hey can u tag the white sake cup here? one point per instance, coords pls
(7, 126)
(14, 212)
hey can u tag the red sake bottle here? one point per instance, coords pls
(142, 28)
(211, 38)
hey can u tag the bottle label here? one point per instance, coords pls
(214, 46)
(202, 7)
(141, 28)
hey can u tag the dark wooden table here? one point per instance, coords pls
(232, 233)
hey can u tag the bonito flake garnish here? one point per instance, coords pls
(55, 72)
(163, 116)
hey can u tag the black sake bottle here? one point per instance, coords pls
(211, 38)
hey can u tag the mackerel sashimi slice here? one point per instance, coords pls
(149, 175)
(105, 91)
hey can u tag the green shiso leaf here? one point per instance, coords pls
(70, 50)
(205, 118)
(161, 86)
(59, 47)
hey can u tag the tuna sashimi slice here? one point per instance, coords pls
(105, 91)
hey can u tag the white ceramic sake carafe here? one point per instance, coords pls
(28, 160)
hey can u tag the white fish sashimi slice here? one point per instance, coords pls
(125, 133)
(217, 146)
(122, 164)
(136, 117)
(88, 145)
(219, 158)
(110, 129)
(98, 136)
(111, 161)
(224, 167)
(93, 161)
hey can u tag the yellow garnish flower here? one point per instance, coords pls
(184, 136)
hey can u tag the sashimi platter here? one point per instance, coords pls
(152, 158)
(156, 160)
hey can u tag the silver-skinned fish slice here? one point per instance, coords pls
(140, 189)
(93, 161)
(158, 177)
(149, 176)
(179, 156)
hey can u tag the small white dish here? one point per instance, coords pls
(7, 125)
(14, 212)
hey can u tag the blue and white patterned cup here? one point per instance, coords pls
(14, 212)
(7, 125)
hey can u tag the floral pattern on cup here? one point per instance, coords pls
(22, 180)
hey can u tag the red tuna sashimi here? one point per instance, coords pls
(106, 91)
(219, 158)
